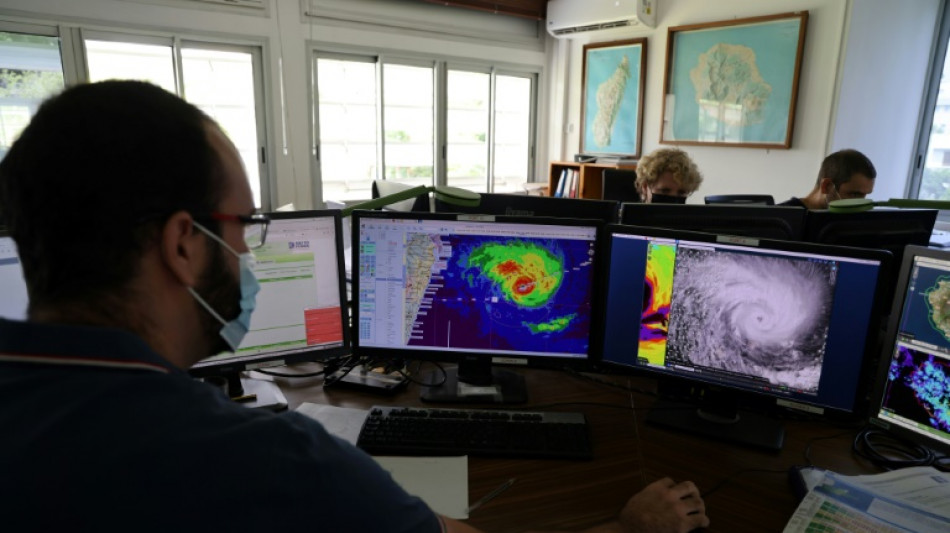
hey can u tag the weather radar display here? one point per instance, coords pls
(476, 286)
(519, 294)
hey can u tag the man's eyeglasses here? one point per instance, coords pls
(255, 226)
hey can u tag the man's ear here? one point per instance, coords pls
(825, 185)
(182, 248)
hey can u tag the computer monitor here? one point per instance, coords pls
(912, 398)
(620, 185)
(887, 228)
(299, 314)
(474, 289)
(522, 205)
(13, 303)
(883, 228)
(765, 222)
(741, 322)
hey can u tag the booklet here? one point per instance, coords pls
(913, 499)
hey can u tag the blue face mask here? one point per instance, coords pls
(233, 331)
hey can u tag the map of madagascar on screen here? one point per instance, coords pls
(478, 292)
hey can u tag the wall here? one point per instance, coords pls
(883, 84)
(830, 72)
(287, 35)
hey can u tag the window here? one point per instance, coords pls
(220, 79)
(931, 175)
(420, 122)
(31, 69)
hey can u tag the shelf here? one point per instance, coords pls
(590, 177)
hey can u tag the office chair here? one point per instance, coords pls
(750, 199)
(387, 187)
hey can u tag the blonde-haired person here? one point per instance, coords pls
(667, 176)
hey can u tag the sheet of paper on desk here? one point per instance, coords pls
(441, 482)
(910, 499)
(344, 422)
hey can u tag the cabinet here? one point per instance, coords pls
(590, 177)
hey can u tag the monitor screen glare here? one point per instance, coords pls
(481, 287)
(916, 392)
(790, 322)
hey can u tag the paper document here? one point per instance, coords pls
(911, 499)
(441, 482)
(344, 422)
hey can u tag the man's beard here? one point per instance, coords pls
(223, 293)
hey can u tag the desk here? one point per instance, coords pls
(628, 454)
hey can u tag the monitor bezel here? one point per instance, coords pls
(754, 217)
(754, 397)
(879, 383)
(569, 206)
(454, 356)
(206, 368)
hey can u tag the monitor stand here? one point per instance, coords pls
(474, 381)
(718, 417)
(251, 393)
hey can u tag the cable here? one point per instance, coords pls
(410, 379)
(889, 452)
(807, 452)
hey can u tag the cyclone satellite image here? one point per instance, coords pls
(761, 316)
(525, 294)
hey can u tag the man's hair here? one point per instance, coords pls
(843, 164)
(684, 170)
(91, 179)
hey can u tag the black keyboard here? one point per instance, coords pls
(481, 432)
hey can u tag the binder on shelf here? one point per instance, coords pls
(562, 183)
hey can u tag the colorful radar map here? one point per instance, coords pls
(523, 294)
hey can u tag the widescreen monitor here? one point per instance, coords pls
(765, 222)
(299, 314)
(913, 380)
(14, 299)
(522, 205)
(751, 321)
(475, 290)
(883, 228)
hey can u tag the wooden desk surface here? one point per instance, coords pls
(628, 454)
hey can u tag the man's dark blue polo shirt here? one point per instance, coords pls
(99, 433)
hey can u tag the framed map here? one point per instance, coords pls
(733, 83)
(612, 109)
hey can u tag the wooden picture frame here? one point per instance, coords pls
(733, 83)
(612, 98)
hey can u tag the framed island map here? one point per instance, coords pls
(733, 83)
(612, 106)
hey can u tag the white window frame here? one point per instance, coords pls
(75, 70)
(441, 66)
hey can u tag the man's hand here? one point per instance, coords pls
(665, 506)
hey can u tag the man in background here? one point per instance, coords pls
(843, 174)
(129, 207)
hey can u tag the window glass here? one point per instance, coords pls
(131, 61)
(31, 69)
(467, 130)
(221, 83)
(935, 180)
(408, 108)
(346, 94)
(512, 133)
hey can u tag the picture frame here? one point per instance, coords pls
(733, 83)
(612, 98)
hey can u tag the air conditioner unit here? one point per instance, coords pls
(567, 18)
